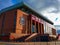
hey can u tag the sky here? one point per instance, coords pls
(48, 8)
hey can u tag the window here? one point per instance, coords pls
(33, 27)
(22, 21)
(37, 27)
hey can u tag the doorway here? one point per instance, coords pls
(33, 27)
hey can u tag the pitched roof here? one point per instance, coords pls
(32, 9)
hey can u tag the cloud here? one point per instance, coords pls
(54, 17)
(16, 1)
(40, 5)
(5, 3)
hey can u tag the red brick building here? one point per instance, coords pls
(23, 21)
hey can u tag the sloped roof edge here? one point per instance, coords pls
(38, 13)
(11, 7)
(23, 3)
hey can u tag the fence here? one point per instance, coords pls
(30, 43)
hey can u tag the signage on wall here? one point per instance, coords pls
(41, 21)
(33, 17)
(36, 19)
(22, 20)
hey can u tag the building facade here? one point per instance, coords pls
(21, 21)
